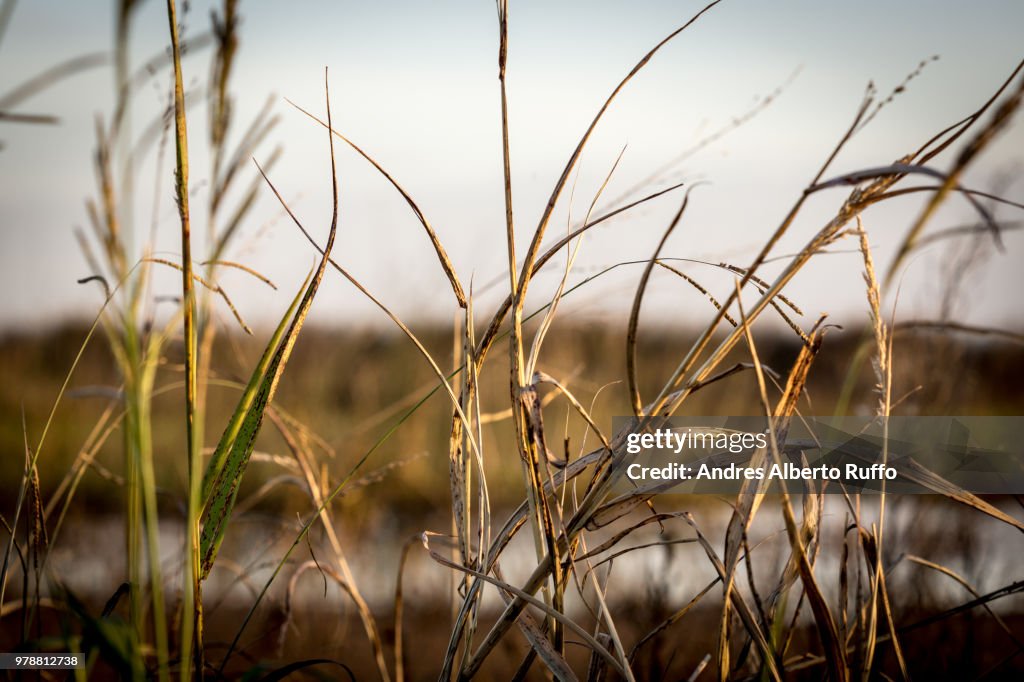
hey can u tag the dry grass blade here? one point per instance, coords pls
(244, 268)
(762, 285)
(661, 543)
(605, 618)
(623, 534)
(12, 541)
(522, 595)
(981, 140)
(634, 314)
(890, 619)
(735, 369)
(35, 119)
(965, 231)
(916, 473)
(544, 378)
(506, 155)
(515, 522)
(491, 334)
(442, 255)
(671, 620)
(899, 170)
(936, 144)
(672, 395)
(534, 452)
(300, 451)
(460, 470)
(751, 492)
(215, 288)
(873, 550)
(540, 645)
(994, 198)
(325, 253)
(741, 606)
(538, 235)
(699, 287)
(747, 503)
(502, 415)
(826, 626)
(797, 379)
(596, 669)
(1005, 591)
(572, 253)
(623, 505)
(857, 177)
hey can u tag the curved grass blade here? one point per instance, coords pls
(225, 485)
(232, 455)
(528, 598)
(442, 255)
(230, 436)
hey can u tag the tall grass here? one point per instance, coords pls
(579, 519)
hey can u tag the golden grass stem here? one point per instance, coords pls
(192, 660)
(634, 313)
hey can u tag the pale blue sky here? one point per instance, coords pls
(415, 84)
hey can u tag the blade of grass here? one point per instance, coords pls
(192, 623)
(778, 425)
(225, 486)
(442, 255)
(230, 436)
(634, 314)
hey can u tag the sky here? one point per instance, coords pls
(415, 84)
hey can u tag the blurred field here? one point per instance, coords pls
(349, 388)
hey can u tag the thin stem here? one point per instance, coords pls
(192, 619)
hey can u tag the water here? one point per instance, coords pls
(89, 558)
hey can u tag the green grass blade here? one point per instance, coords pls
(236, 446)
(227, 440)
(225, 485)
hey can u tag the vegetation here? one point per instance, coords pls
(536, 521)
